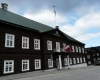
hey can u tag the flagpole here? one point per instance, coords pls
(54, 15)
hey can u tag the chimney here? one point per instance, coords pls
(4, 6)
(57, 27)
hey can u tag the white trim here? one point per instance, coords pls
(84, 59)
(73, 49)
(49, 43)
(39, 63)
(58, 46)
(5, 66)
(97, 54)
(64, 45)
(37, 48)
(70, 60)
(65, 61)
(76, 48)
(27, 38)
(80, 60)
(89, 62)
(50, 62)
(77, 60)
(13, 40)
(74, 61)
(27, 65)
(83, 50)
(79, 49)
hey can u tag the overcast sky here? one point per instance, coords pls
(77, 18)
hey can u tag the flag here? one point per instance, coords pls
(68, 48)
(54, 11)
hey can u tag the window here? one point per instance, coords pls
(98, 58)
(79, 49)
(70, 61)
(88, 56)
(56, 32)
(9, 40)
(25, 42)
(73, 48)
(37, 64)
(74, 61)
(83, 50)
(50, 63)
(93, 54)
(81, 60)
(89, 62)
(97, 54)
(25, 65)
(64, 45)
(8, 66)
(57, 46)
(76, 49)
(84, 59)
(65, 61)
(49, 45)
(37, 44)
(77, 60)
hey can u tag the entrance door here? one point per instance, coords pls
(57, 63)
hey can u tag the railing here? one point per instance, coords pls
(60, 50)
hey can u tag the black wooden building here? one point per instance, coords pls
(27, 45)
(92, 55)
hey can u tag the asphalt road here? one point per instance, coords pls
(85, 73)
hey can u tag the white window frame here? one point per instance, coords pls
(83, 50)
(74, 61)
(78, 60)
(58, 43)
(39, 63)
(26, 38)
(49, 45)
(70, 60)
(25, 63)
(76, 48)
(84, 59)
(89, 62)
(38, 44)
(73, 49)
(65, 61)
(13, 40)
(79, 49)
(98, 58)
(97, 54)
(88, 56)
(64, 45)
(5, 61)
(50, 63)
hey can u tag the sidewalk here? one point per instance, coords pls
(38, 73)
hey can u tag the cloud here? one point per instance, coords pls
(87, 37)
(46, 17)
(83, 24)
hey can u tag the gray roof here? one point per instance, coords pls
(13, 18)
(19, 20)
(72, 39)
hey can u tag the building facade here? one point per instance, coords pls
(93, 55)
(27, 45)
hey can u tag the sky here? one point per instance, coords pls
(79, 19)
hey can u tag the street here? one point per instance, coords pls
(83, 73)
(87, 73)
